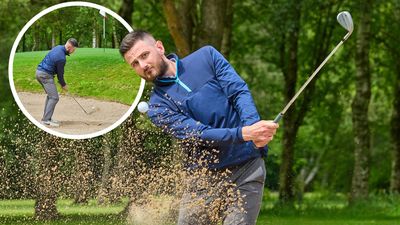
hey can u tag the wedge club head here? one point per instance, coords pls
(345, 20)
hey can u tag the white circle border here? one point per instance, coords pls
(11, 79)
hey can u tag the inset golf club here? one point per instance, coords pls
(87, 112)
(345, 20)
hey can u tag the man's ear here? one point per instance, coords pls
(160, 47)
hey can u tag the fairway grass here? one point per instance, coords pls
(22, 211)
(89, 72)
(314, 210)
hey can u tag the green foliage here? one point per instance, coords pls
(88, 72)
(83, 23)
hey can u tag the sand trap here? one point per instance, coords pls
(72, 118)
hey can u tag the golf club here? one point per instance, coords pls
(86, 112)
(344, 18)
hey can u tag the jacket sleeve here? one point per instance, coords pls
(235, 88)
(168, 117)
(60, 72)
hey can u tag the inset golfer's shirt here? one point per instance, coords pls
(54, 62)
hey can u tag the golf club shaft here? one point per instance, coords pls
(280, 115)
(79, 105)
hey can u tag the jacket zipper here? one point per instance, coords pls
(178, 81)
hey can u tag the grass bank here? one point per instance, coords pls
(89, 72)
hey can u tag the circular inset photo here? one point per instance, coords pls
(66, 72)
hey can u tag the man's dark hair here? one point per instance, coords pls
(73, 42)
(130, 40)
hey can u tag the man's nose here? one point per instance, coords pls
(142, 65)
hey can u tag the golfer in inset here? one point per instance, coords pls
(53, 63)
(202, 97)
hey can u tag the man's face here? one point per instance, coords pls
(70, 48)
(146, 58)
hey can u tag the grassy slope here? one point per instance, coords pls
(89, 72)
(315, 210)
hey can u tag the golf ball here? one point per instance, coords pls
(143, 107)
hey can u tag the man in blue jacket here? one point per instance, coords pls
(53, 63)
(201, 97)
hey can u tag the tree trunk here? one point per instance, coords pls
(192, 28)
(395, 133)
(286, 175)
(94, 38)
(53, 38)
(210, 31)
(126, 10)
(180, 24)
(227, 35)
(359, 188)
(60, 37)
(36, 36)
(46, 180)
(23, 43)
(114, 35)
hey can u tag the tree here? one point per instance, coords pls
(395, 132)
(360, 104)
(126, 10)
(192, 29)
(395, 123)
(288, 56)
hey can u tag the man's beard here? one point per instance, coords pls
(163, 68)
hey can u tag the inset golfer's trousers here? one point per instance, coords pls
(47, 82)
(248, 179)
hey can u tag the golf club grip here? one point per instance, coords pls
(278, 118)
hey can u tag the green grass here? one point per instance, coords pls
(89, 72)
(22, 211)
(316, 209)
(331, 209)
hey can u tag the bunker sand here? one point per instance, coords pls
(71, 117)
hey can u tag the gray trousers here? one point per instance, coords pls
(47, 82)
(248, 181)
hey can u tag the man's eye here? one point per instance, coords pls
(134, 64)
(145, 55)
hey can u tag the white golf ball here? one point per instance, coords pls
(143, 107)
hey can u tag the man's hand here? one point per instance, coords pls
(261, 133)
(65, 88)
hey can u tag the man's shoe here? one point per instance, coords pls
(50, 123)
(54, 121)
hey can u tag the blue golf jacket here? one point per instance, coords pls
(54, 62)
(208, 101)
